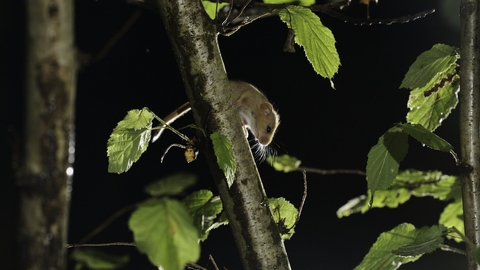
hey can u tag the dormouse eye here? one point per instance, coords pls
(269, 129)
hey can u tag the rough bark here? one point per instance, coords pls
(469, 100)
(43, 180)
(194, 41)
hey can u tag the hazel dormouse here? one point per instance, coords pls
(256, 112)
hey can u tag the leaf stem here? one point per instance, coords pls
(102, 245)
(167, 126)
(464, 238)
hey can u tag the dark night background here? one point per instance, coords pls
(325, 128)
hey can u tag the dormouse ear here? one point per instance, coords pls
(266, 108)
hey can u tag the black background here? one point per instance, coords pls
(325, 128)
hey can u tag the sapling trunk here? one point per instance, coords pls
(469, 100)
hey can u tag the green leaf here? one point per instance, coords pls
(426, 137)
(390, 198)
(284, 163)
(97, 259)
(430, 66)
(224, 152)
(452, 216)
(380, 255)
(212, 8)
(353, 206)
(384, 159)
(430, 183)
(316, 39)
(435, 82)
(171, 185)
(284, 214)
(406, 184)
(163, 230)
(301, 2)
(129, 140)
(204, 208)
(429, 111)
(426, 240)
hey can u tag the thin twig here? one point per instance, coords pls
(213, 261)
(195, 266)
(326, 172)
(107, 222)
(453, 249)
(246, 21)
(198, 267)
(332, 9)
(102, 245)
(165, 125)
(464, 237)
(117, 37)
(304, 198)
(243, 9)
(225, 22)
(386, 21)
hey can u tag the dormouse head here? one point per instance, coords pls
(267, 123)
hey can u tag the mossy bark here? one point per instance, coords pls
(194, 40)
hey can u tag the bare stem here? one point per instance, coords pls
(102, 245)
(116, 37)
(107, 222)
(326, 172)
(453, 249)
(304, 198)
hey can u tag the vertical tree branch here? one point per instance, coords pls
(44, 179)
(194, 40)
(470, 122)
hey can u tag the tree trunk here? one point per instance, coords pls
(194, 40)
(470, 122)
(45, 176)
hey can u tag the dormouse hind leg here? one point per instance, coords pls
(241, 101)
(245, 131)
